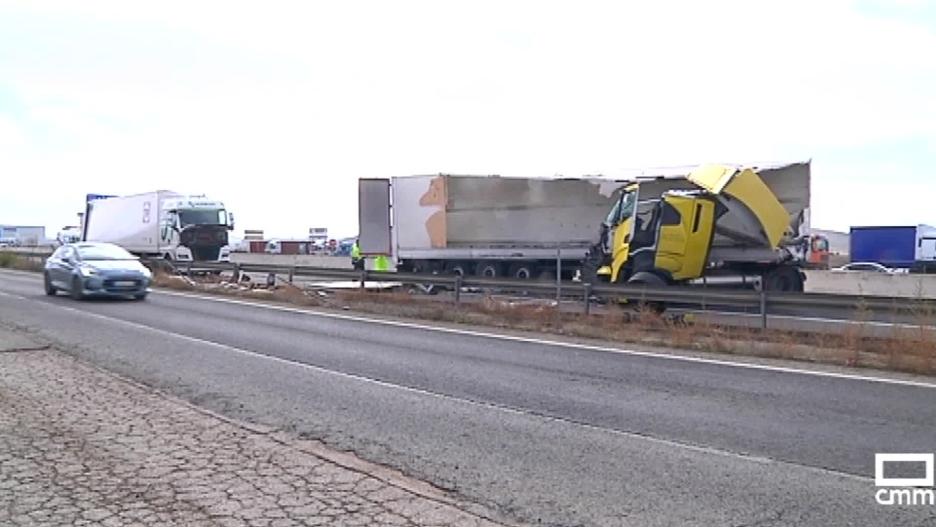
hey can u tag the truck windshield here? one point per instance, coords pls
(202, 217)
(623, 209)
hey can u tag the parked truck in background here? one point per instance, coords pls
(68, 234)
(487, 226)
(723, 223)
(161, 224)
(899, 247)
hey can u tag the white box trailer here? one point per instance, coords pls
(161, 224)
(484, 225)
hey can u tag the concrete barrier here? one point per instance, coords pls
(867, 283)
(309, 260)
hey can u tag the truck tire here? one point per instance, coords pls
(422, 267)
(786, 279)
(650, 280)
(489, 270)
(522, 271)
(458, 269)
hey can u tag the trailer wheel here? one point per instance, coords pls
(784, 279)
(489, 270)
(522, 271)
(458, 269)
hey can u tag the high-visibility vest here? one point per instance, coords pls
(355, 252)
(381, 263)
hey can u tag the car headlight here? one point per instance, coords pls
(147, 273)
(87, 270)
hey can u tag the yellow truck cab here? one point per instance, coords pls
(717, 220)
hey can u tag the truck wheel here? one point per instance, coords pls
(489, 270)
(522, 271)
(418, 267)
(457, 269)
(649, 280)
(785, 279)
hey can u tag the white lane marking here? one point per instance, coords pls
(571, 345)
(556, 343)
(470, 402)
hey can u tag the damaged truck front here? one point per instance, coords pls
(715, 223)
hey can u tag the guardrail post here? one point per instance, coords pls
(588, 290)
(292, 271)
(763, 309)
(558, 275)
(236, 276)
(190, 268)
(458, 287)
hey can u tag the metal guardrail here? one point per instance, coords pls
(701, 297)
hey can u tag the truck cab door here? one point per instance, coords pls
(685, 237)
(167, 229)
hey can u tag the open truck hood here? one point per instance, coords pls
(761, 211)
(789, 183)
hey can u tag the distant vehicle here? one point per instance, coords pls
(68, 235)
(161, 224)
(95, 269)
(910, 247)
(868, 267)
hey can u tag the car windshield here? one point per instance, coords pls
(103, 252)
(202, 217)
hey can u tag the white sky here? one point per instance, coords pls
(277, 108)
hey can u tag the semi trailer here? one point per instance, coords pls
(899, 247)
(161, 224)
(487, 226)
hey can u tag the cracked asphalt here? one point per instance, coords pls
(81, 447)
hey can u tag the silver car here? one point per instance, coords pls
(96, 269)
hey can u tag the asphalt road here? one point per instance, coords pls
(544, 432)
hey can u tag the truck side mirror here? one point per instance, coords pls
(230, 221)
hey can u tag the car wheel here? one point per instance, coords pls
(76, 288)
(49, 288)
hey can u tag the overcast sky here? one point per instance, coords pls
(278, 108)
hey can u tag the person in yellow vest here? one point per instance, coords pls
(356, 260)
